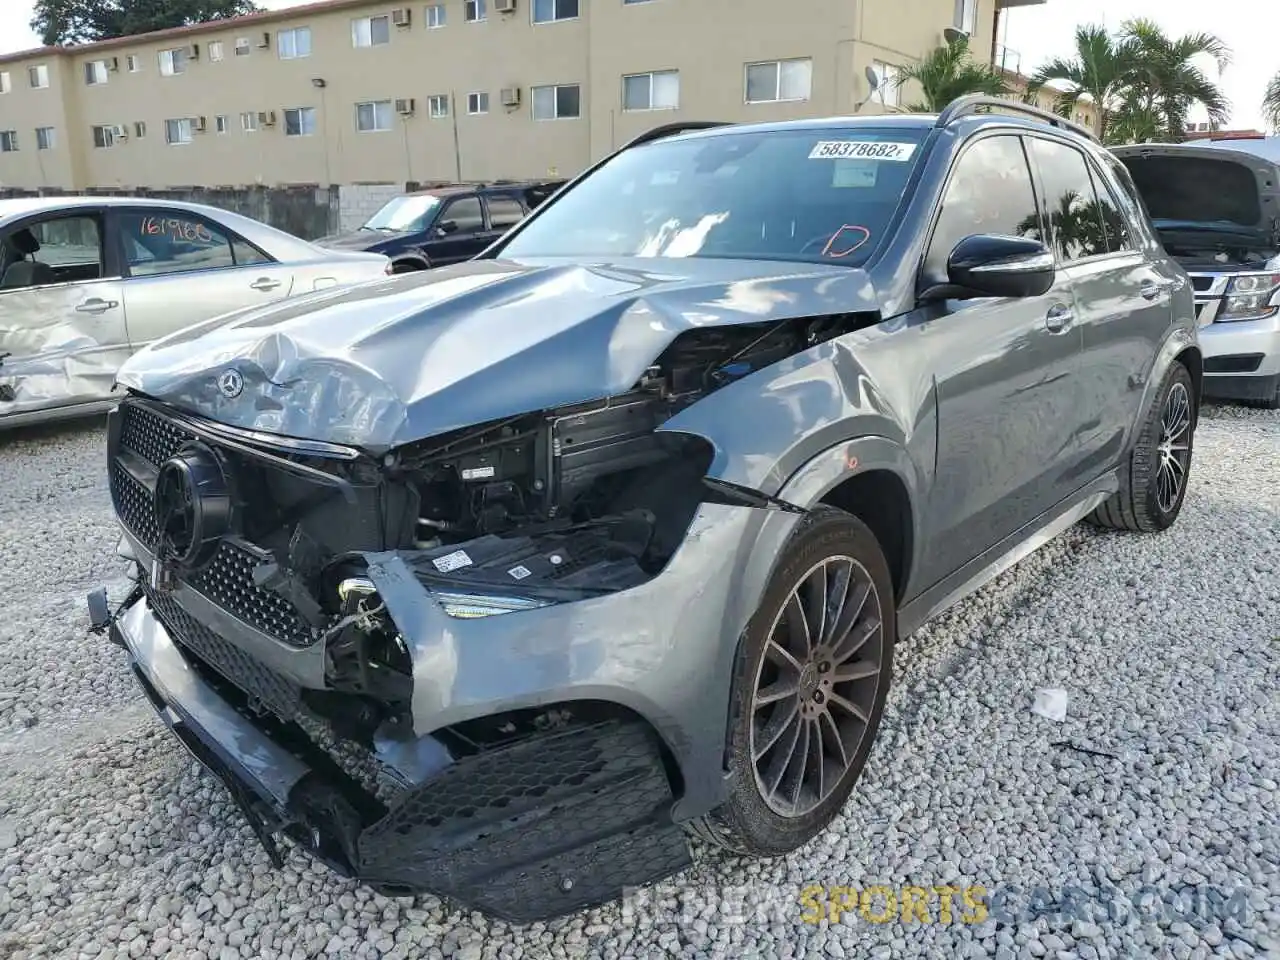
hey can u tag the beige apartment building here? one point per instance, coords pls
(352, 91)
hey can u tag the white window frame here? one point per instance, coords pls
(293, 33)
(777, 82)
(555, 87)
(249, 121)
(966, 16)
(46, 138)
(133, 63)
(381, 112)
(8, 141)
(6, 82)
(105, 132)
(216, 52)
(139, 129)
(176, 60)
(435, 16)
(475, 11)
(38, 76)
(362, 31)
(95, 73)
(301, 112)
(243, 47)
(185, 132)
(651, 75)
(555, 17)
(477, 103)
(890, 92)
(438, 106)
(220, 124)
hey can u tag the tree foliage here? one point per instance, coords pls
(84, 21)
(1271, 104)
(949, 72)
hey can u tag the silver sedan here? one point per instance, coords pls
(86, 281)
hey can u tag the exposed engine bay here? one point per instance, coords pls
(1218, 252)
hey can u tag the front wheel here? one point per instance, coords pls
(809, 689)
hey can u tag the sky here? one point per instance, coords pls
(1036, 33)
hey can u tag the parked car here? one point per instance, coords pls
(444, 225)
(1216, 208)
(609, 533)
(85, 281)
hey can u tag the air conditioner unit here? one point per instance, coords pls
(505, 6)
(265, 40)
(405, 107)
(401, 16)
(510, 96)
(119, 132)
(199, 124)
(113, 64)
(193, 51)
(266, 118)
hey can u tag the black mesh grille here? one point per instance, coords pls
(227, 580)
(149, 435)
(1202, 283)
(133, 504)
(277, 693)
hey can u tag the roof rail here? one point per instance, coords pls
(971, 104)
(671, 129)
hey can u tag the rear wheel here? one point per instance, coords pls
(1154, 483)
(809, 689)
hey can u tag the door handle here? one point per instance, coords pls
(1058, 318)
(96, 305)
(1150, 289)
(264, 283)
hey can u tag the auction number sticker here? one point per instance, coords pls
(861, 150)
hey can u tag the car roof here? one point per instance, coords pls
(22, 206)
(451, 189)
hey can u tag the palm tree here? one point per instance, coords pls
(1271, 104)
(1164, 78)
(1134, 122)
(950, 72)
(1100, 69)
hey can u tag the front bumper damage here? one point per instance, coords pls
(543, 827)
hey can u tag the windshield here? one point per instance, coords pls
(404, 214)
(820, 196)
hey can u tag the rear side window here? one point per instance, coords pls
(1113, 220)
(165, 242)
(989, 191)
(504, 212)
(1071, 205)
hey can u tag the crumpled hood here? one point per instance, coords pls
(391, 361)
(358, 240)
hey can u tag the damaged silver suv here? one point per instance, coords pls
(497, 581)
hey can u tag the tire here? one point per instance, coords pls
(406, 266)
(841, 672)
(1143, 503)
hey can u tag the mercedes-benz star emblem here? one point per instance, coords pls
(230, 383)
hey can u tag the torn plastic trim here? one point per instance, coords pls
(733, 494)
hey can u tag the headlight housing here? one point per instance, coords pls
(474, 606)
(1251, 296)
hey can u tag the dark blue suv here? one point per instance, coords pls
(443, 225)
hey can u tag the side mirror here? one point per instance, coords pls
(446, 227)
(991, 265)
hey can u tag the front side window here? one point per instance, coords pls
(38, 76)
(1071, 206)
(66, 250)
(474, 11)
(462, 216)
(989, 191)
(404, 214)
(173, 62)
(549, 11)
(651, 91)
(818, 196)
(371, 31)
(160, 241)
(299, 121)
(557, 102)
(46, 139)
(178, 131)
(779, 80)
(294, 44)
(374, 117)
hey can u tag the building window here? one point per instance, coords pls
(173, 62)
(215, 51)
(438, 105)
(242, 46)
(178, 131)
(95, 72)
(651, 91)
(299, 121)
(294, 44)
(140, 129)
(557, 102)
(474, 11)
(38, 76)
(373, 117)
(889, 92)
(248, 121)
(220, 123)
(966, 16)
(549, 11)
(133, 63)
(5, 84)
(8, 141)
(104, 135)
(627, 2)
(435, 16)
(371, 31)
(46, 139)
(779, 80)
(477, 103)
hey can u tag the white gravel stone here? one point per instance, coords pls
(113, 844)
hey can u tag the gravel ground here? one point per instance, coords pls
(1162, 777)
